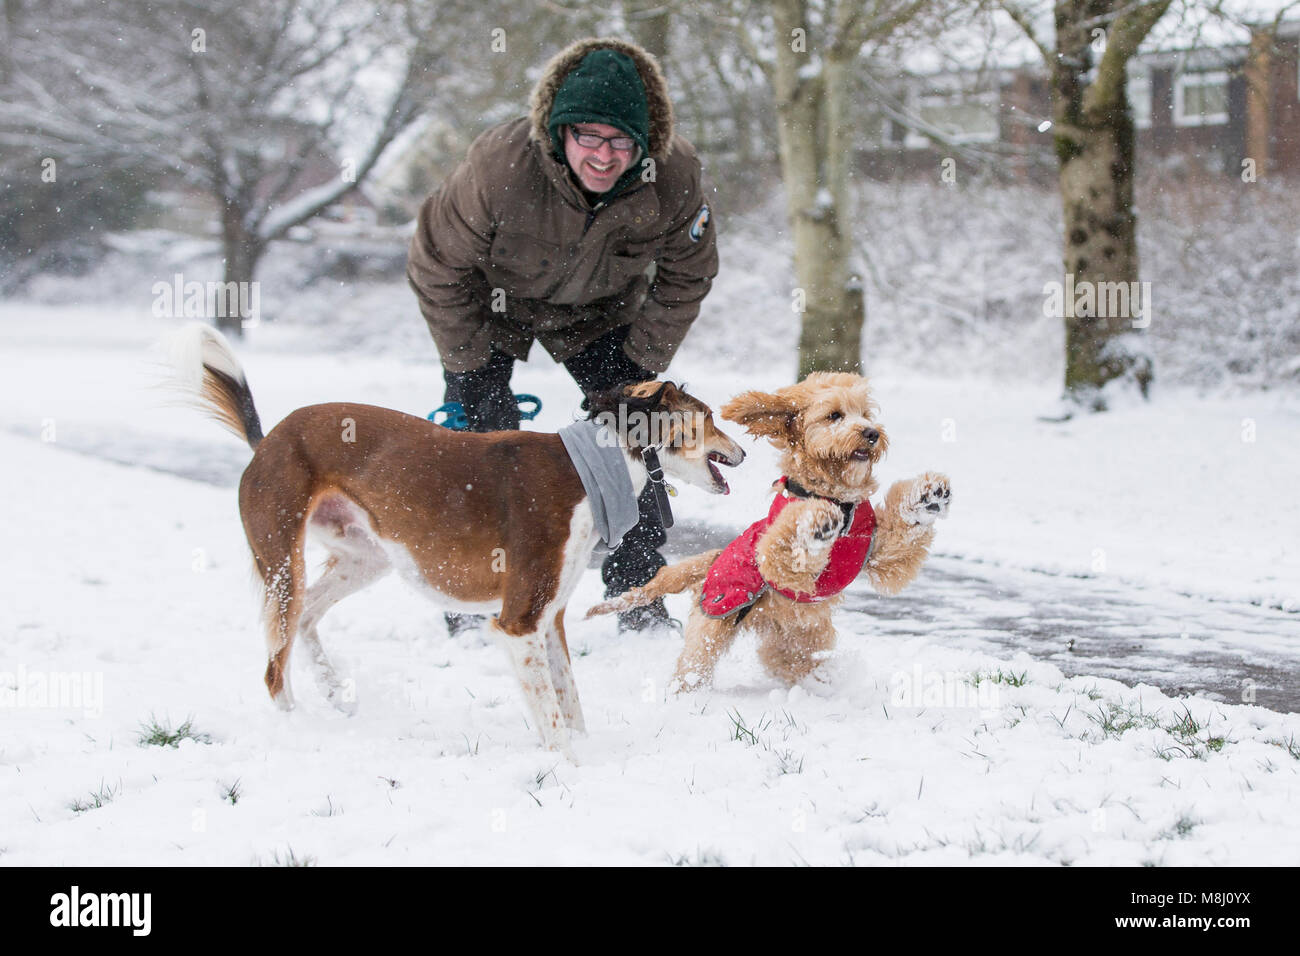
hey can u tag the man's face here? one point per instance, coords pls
(597, 169)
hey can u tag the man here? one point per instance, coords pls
(583, 226)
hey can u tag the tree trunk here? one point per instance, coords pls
(1100, 248)
(8, 21)
(1095, 140)
(1259, 99)
(242, 250)
(648, 21)
(812, 138)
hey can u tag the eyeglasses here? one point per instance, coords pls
(622, 144)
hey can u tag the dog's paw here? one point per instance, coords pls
(819, 525)
(344, 698)
(926, 500)
(684, 683)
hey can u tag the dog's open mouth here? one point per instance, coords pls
(718, 481)
(860, 454)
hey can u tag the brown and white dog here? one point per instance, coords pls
(494, 523)
(826, 428)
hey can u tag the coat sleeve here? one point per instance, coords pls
(453, 234)
(684, 274)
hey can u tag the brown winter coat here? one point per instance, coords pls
(509, 250)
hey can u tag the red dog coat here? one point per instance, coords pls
(734, 581)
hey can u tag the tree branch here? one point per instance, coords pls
(1122, 42)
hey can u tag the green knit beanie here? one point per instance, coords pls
(604, 88)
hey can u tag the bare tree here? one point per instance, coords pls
(808, 51)
(1094, 136)
(235, 99)
(649, 22)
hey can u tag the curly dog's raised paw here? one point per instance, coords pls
(820, 525)
(926, 500)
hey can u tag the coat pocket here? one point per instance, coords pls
(523, 257)
(627, 261)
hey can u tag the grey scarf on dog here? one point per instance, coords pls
(601, 466)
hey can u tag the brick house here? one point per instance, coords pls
(1205, 110)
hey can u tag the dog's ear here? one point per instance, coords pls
(597, 402)
(651, 394)
(636, 396)
(763, 414)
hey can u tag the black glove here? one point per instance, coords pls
(603, 365)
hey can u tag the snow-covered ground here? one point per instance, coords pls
(131, 586)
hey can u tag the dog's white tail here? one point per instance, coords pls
(207, 370)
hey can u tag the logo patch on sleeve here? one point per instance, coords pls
(700, 223)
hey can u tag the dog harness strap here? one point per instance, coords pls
(734, 581)
(847, 557)
(799, 491)
(655, 472)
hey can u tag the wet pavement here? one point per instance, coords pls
(1093, 626)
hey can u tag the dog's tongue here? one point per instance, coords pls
(716, 472)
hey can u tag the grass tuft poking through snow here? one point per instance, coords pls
(1010, 678)
(156, 733)
(702, 857)
(743, 732)
(1289, 745)
(290, 858)
(99, 798)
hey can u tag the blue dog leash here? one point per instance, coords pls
(456, 419)
(525, 414)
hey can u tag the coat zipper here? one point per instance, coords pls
(591, 216)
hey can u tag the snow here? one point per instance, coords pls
(124, 571)
(810, 70)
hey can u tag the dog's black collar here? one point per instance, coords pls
(799, 491)
(655, 472)
(848, 507)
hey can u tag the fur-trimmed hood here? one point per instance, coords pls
(652, 78)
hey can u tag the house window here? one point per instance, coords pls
(1201, 99)
(960, 117)
(1139, 100)
(892, 132)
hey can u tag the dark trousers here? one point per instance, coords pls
(489, 405)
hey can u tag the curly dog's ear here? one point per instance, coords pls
(763, 414)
